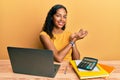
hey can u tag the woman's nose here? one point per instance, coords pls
(62, 19)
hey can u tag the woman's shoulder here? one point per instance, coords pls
(44, 33)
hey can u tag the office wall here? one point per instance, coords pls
(22, 20)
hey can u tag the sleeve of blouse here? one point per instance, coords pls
(45, 34)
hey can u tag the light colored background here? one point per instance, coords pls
(21, 22)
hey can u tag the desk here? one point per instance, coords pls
(7, 74)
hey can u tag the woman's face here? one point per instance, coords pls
(59, 18)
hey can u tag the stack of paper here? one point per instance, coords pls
(100, 70)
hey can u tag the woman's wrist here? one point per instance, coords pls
(72, 43)
(74, 40)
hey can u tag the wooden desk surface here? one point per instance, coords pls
(7, 74)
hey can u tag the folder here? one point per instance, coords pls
(84, 74)
(108, 68)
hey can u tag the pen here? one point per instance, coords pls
(65, 70)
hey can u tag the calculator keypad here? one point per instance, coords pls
(88, 63)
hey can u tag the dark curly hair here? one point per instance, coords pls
(48, 25)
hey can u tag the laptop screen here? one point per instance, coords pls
(32, 61)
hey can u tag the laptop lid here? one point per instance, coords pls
(32, 61)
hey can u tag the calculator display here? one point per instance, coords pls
(88, 63)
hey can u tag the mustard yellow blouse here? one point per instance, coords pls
(60, 41)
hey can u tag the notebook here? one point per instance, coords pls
(32, 61)
(98, 71)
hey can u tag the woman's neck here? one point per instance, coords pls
(57, 31)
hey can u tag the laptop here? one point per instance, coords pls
(32, 61)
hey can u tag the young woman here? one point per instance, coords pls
(54, 36)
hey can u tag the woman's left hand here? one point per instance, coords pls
(79, 35)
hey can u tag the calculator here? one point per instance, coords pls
(88, 63)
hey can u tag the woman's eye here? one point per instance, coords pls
(65, 17)
(58, 15)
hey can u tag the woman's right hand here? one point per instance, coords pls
(79, 35)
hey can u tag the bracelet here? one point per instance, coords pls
(72, 43)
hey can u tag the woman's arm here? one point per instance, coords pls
(75, 53)
(48, 44)
(74, 37)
